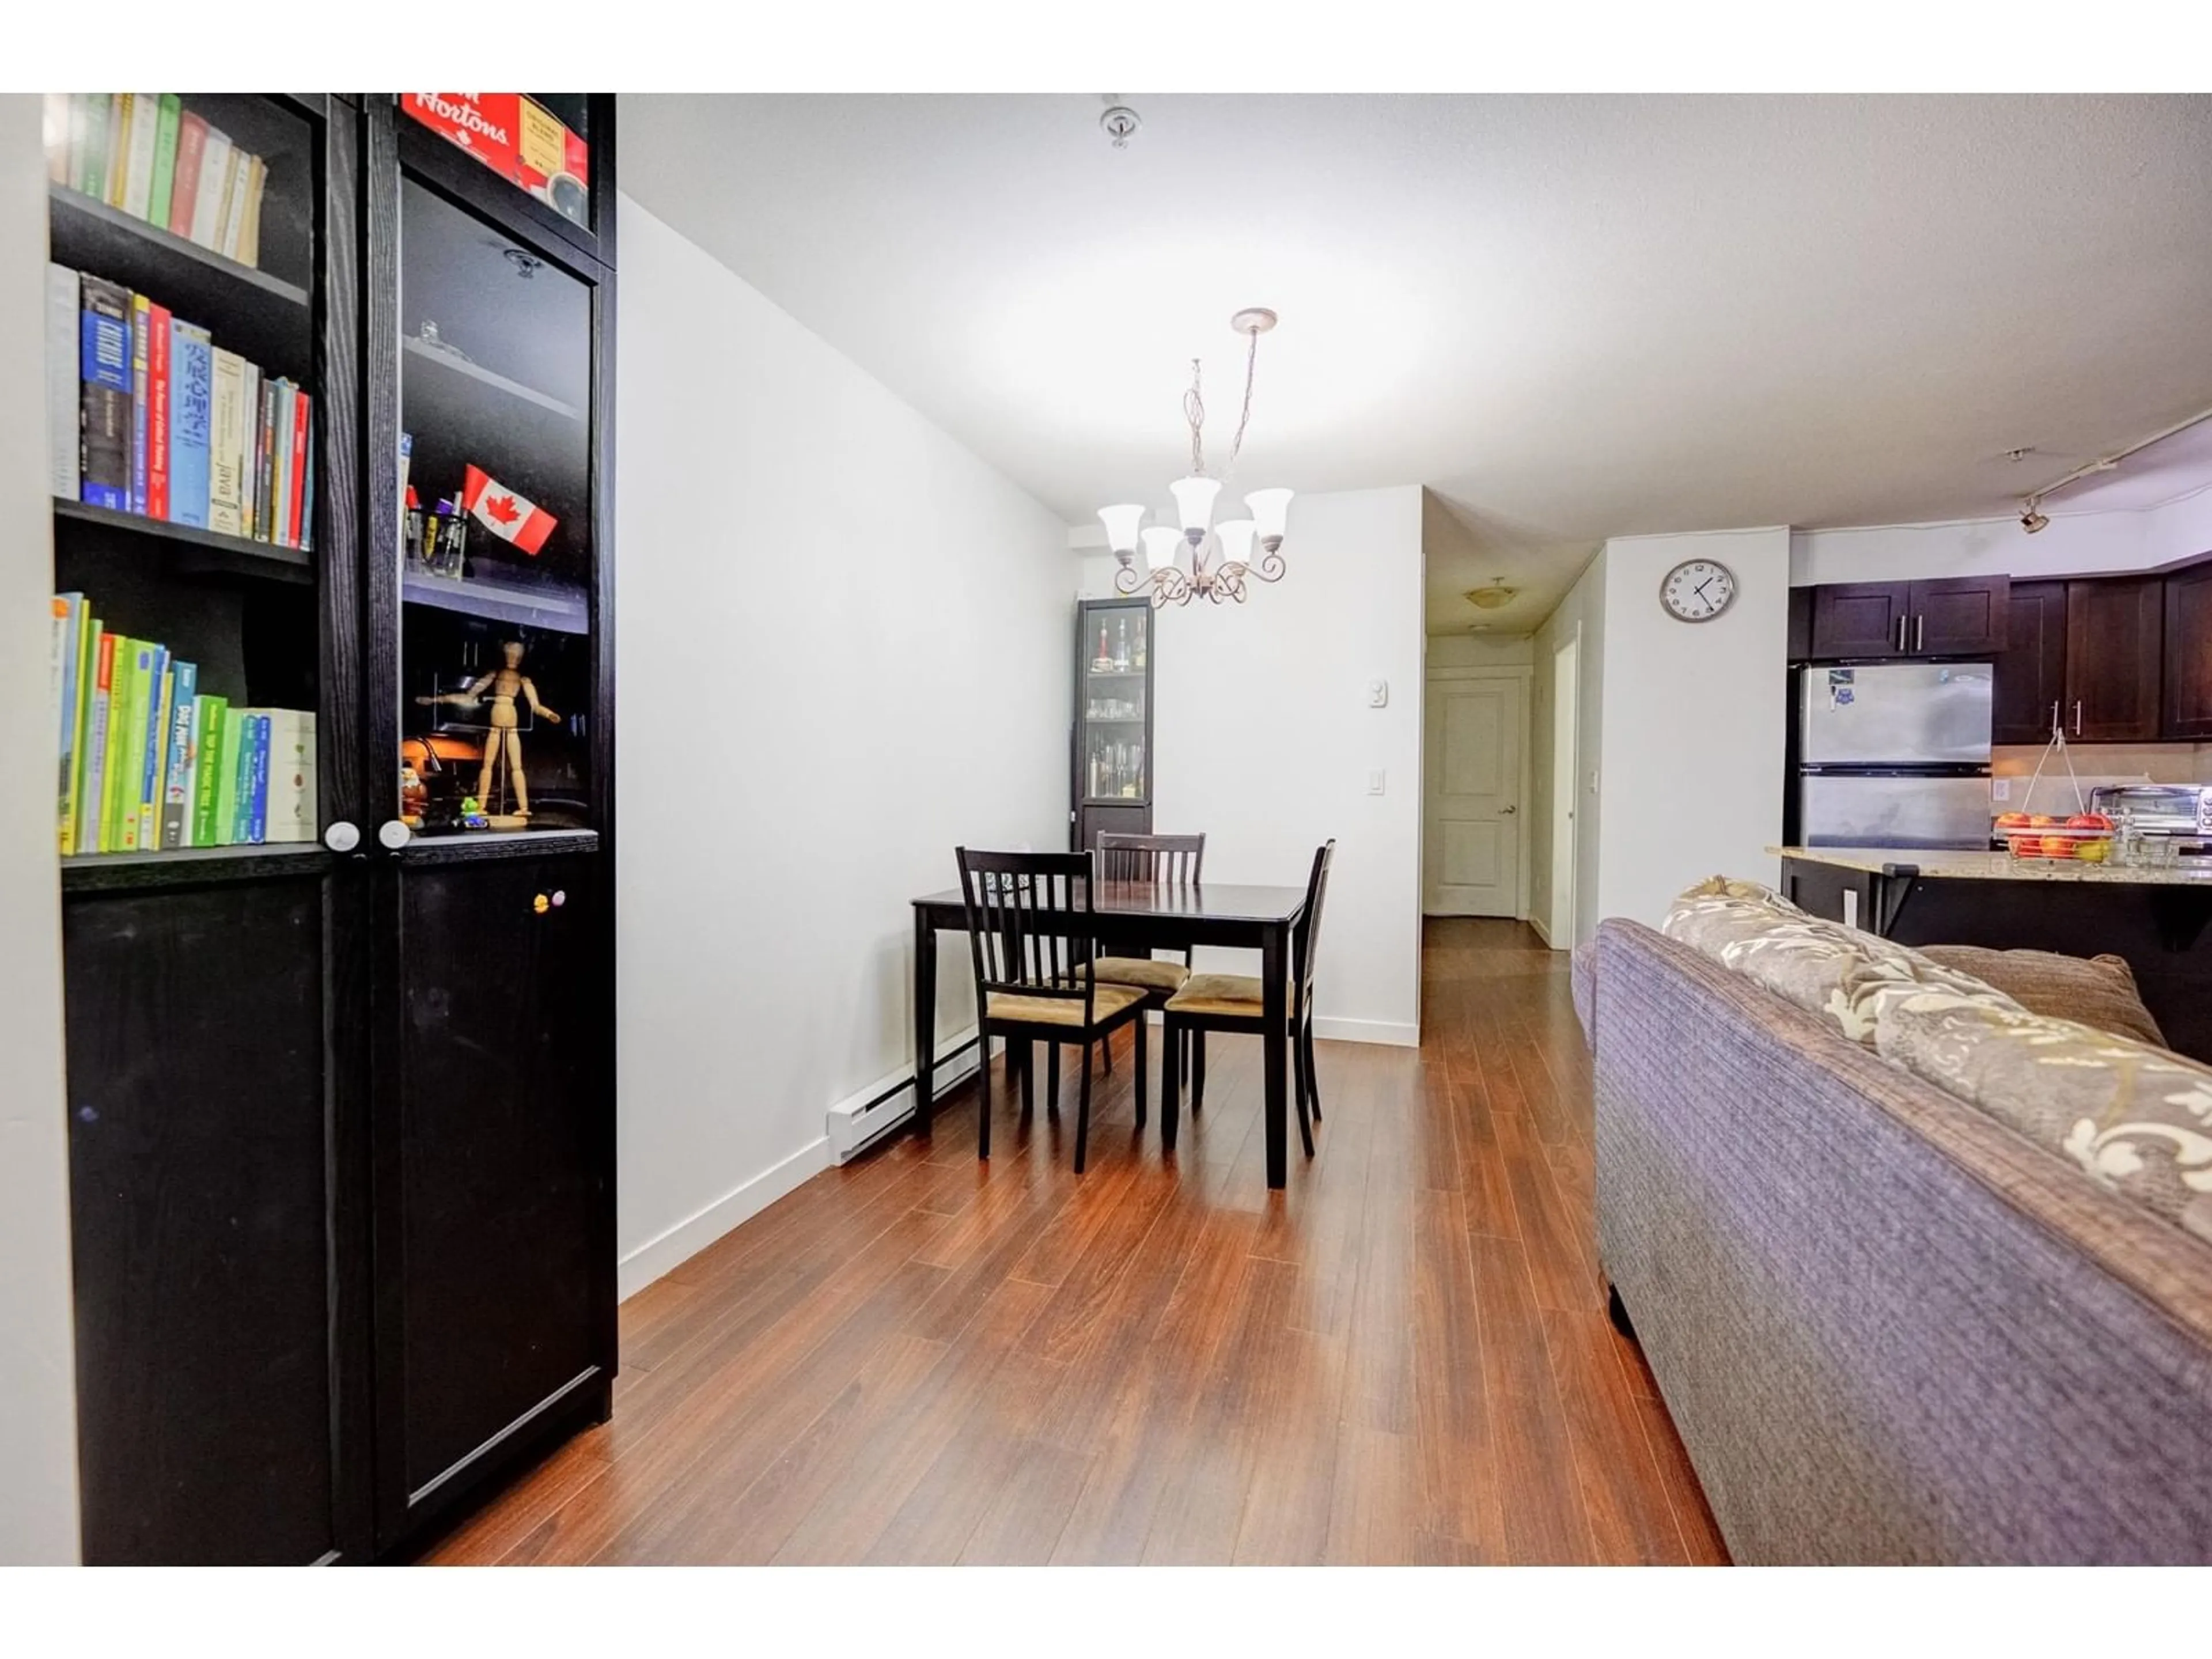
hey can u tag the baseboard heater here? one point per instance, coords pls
(859, 1121)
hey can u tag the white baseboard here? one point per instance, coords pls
(1543, 932)
(671, 1249)
(1396, 1034)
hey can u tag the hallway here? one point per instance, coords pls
(1404, 1358)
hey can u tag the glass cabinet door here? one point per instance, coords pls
(494, 555)
(1116, 719)
(539, 142)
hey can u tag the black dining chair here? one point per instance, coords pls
(1171, 860)
(1030, 922)
(1234, 1002)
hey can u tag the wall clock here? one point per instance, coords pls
(1697, 590)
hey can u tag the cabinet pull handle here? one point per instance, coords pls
(1919, 632)
(2077, 717)
(2056, 724)
(342, 837)
(1900, 633)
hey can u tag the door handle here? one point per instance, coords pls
(1919, 633)
(2077, 717)
(1507, 811)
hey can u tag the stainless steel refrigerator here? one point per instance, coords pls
(1894, 754)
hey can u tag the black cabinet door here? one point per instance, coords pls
(214, 1181)
(2030, 671)
(2113, 632)
(1958, 616)
(493, 1163)
(1861, 619)
(2189, 653)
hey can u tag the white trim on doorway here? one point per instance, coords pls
(1566, 769)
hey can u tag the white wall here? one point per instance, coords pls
(1580, 616)
(37, 1369)
(843, 646)
(1693, 722)
(1266, 742)
(2072, 544)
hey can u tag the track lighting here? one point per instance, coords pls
(2031, 519)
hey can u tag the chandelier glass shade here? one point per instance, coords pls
(1193, 555)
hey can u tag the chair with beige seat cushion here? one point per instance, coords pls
(1031, 919)
(1166, 861)
(1236, 1002)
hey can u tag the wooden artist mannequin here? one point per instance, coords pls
(506, 683)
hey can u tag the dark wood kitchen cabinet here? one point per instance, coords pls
(340, 1083)
(1949, 617)
(2030, 671)
(2188, 649)
(2114, 637)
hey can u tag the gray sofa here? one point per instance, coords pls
(1889, 1329)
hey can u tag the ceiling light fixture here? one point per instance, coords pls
(2031, 517)
(1492, 597)
(1231, 540)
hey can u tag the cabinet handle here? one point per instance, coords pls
(1900, 633)
(2077, 717)
(1919, 632)
(393, 835)
(2056, 724)
(342, 837)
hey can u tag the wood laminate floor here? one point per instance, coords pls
(1403, 1359)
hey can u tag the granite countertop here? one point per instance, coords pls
(1951, 864)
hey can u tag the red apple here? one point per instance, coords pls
(2088, 821)
(2012, 821)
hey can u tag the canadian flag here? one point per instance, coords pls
(505, 513)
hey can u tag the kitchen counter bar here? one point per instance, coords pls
(1953, 865)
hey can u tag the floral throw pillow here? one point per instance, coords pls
(2135, 1118)
(1838, 973)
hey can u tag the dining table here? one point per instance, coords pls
(1134, 918)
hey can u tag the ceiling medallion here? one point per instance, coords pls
(1220, 555)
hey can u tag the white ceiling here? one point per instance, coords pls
(1571, 318)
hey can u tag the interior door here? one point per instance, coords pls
(1472, 851)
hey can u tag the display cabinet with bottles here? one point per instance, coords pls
(1111, 788)
(334, 805)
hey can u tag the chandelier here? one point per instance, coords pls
(1220, 555)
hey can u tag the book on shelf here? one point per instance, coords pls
(104, 402)
(147, 760)
(63, 305)
(149, 416)
(144, 154)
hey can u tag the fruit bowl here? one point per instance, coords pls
(2087, 837)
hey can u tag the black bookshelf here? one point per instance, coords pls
(338, 1276)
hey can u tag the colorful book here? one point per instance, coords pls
(213, 189)
(165, 159)
(289, 813)
(241, 728)
(301, 415)
(227, 445)
(89, 141)
(175, 809)
(159, 335)
(249, 482)
(63, 305)
(249, 241)
(88, 667)
(92, 787)
(61, 684)
(191, 395)
(142, 323)
(257, 784)
(280, 445)
(118, 149)
(183, 193)
(154, 757)
(234, 209)
(104, 400)
(145, 116)
(307, 500)
(209, 799)
(126, 740)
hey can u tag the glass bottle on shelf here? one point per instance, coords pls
(1122, 647)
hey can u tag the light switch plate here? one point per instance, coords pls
(1375, 781)
(1378, 697)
